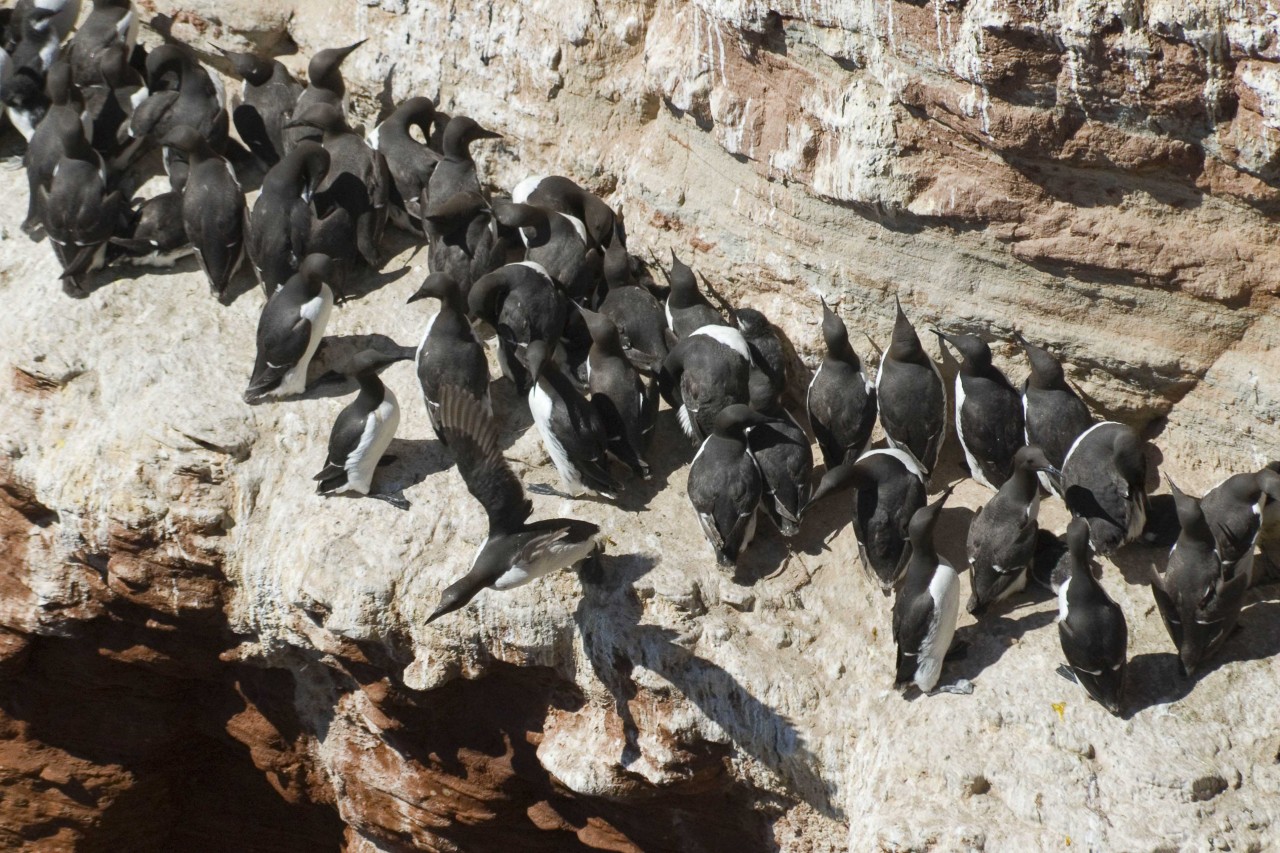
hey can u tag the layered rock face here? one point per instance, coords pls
(197, 651)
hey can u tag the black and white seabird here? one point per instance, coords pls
(24, 95)
(268, 96)
(156, 236)
(362, 432)
(324, 86)
(290, 329)
(641, 324)
(110, 22)
(910, 396)
(572, 431)
(1104, 481)
(523, 305)
(890, 488)
(1091, 626)
(65, 14)
(768, 380)
(464, 238)
(1054, 414)
(563, 195)
(926, 607)
(181, 94)
(450, 352)
(81, 210)
(627, 407)
(841, 400)
(357, 182)
(410, 162)
(1003, 535)
(687, 309)
(213, 212)
(785, 459)
(989, 420)
(62, 121)
(558, 243)
(456, 171)
(1236, 510)
(1198, 598)
(282, 217)
(706, 371)
(111, 101)
(725, 485)
(516, 551)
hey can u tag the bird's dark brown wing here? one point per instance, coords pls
(472, 435)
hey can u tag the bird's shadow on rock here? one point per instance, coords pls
(669, 452)
(1156, 678)
(416, 459)
(997, 632)
(772, 553)
(616, 642)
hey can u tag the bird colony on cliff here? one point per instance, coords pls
(545, 276)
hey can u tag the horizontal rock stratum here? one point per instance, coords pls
(197, 651)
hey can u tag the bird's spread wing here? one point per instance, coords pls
(472, 434)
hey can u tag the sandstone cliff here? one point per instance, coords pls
(199, 652)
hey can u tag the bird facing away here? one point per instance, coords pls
(724, 484)
(841, 400)
(1091, 626)
(890, 488)
(1198, 601)
(1104, 482)
(450, 352)
(910, 395)
(989, 421)
(1003, 535)
(1054, 414)
(515, 551)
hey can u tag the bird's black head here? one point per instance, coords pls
(440, 286)
(57, 83)
(976, 353)
(168, 60)
(419, 112)
(836, 335)
(1032, 458)
(322, 116)
(253, 69)
(1190, 515)
(734, 420)
(752, 323)
(681, 278)
(1078, 541)
(454, 597)
(925, 519)
(324, 69)
(1128, 454)
(904, 345)
(185, 138)
(1269, 483)
(1046, 372)
(316, 267)
(539, 356)
(461, 132)
(603, 331)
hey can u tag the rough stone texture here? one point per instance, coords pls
(192, 641)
